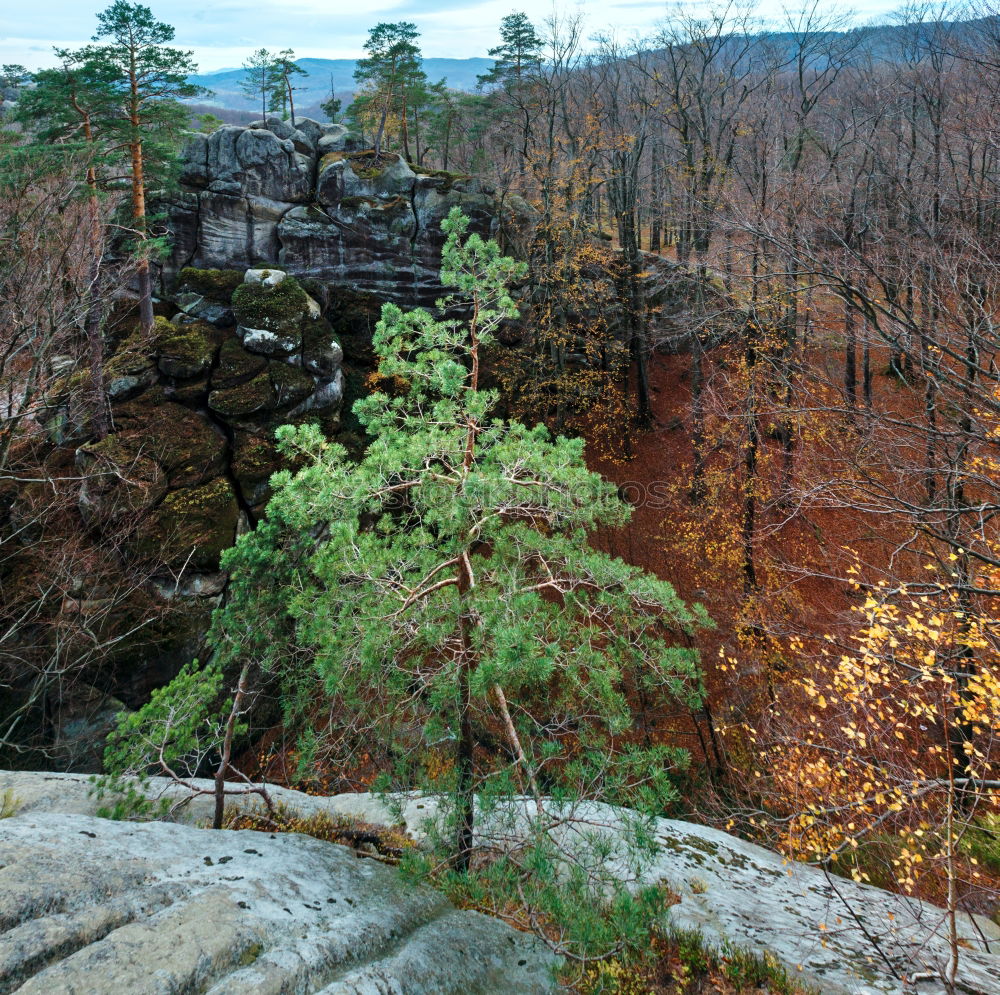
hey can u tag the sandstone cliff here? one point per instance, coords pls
(309, 199)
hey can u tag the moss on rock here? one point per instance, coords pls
(448, 178)
(368, 166)
(121, 480)
(193, 525)
(291, 384)
(188, 351)
(236, 365)
(242, 400)
(353, 315)
(215, 284)
(329, 159)
(255, 456)
(322, 351)
(276, 309)
(181, 441)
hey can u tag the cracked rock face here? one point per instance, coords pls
(90, 905)
(308, 199)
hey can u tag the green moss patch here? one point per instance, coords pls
(291, 384)
(255, 457)
(244, 399)
(276, 309)
(215, 284)
(368, 166)
(448, 178)
(189, 350)
(195, 522)
(181, 441)
(236, 365)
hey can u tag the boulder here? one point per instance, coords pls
(192, 526)
(119, 482)
(266, 343)
(322, 354)
(188, 350)
(291, 384)
(235, 365)
(202, 309)
(280, 307)
(325, 398)
(251, 398)
(108, 907)
(268, 278)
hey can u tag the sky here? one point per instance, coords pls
(223, 32)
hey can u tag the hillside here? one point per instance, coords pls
(336, 73)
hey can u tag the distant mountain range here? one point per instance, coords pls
(883, 43)
(315, 88)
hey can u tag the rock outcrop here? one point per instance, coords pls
(312, 201)
(838, 936)
(90, 905)
(184, 468)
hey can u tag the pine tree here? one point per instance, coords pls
(261, 80)
(515, 73)
(285, 69)
(391, 67)
(517, 57)
(332, 105)
(148, 78)
(446, 582)
(70, 106)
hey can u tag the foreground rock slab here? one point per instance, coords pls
(108, 908)
(834, 935)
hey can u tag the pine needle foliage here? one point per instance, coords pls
(445, 582)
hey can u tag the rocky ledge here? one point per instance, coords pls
(832, 934)
(90, 905)
(312, 200)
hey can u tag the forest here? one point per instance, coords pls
(681, 501)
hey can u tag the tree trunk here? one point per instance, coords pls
(850, 361)
(93, 320)
(406, 132)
